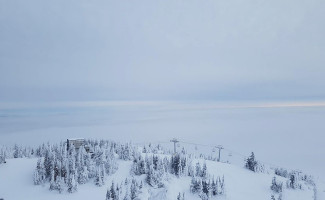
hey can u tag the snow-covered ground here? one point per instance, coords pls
(289, 135)
(280, 135)
(17, 183)
(241, 184)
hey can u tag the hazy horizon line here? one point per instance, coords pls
(204, 104)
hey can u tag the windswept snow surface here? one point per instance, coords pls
(241, 184)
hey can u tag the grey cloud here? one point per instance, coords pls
(92, 50)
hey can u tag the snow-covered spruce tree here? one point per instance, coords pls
(204, 172)
(198, 170)
(117, 192)
(17, 153)
(2, 156)
(221, 185)
(113, 192)
(203, 196)
(153, 178)
(60, 186)
(127, 195)
(48, 160)
(190, 169)
(53, 175)
(108, 195)
(251, 163)
(214, 188)
(276, 186)
(83, 175)
(102, 174)
(134, 190)
(99, 178)
(39, 173)
(72, 183)
(110, 163)
(2, 159)
(176, 167)
(196, 185)
(206, 187)
(82, 167)
(89, 164)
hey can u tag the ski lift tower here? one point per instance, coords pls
(219, 147)
(175, 141)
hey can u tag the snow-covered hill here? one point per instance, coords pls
(16, 182)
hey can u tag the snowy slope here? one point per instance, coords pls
(16, 183)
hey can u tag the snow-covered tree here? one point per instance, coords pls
(39, 173)
(276, 186)
(204, 172)
(108, 194)
(99, 178)
(113, 192)
(72, 183)
(198, 171)
(2, 156)
(251, 163)
(134, 190)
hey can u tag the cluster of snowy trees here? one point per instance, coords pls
(65, 168)
(157, 168)
(207, 188)
(156, 149)
(20, 152)
(294, 177)
(129, 190)
(295, 180)
(293, 183)
(16, 152)
(253, 165)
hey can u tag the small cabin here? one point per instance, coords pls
(77, 143)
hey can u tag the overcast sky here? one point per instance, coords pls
(162, 50)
